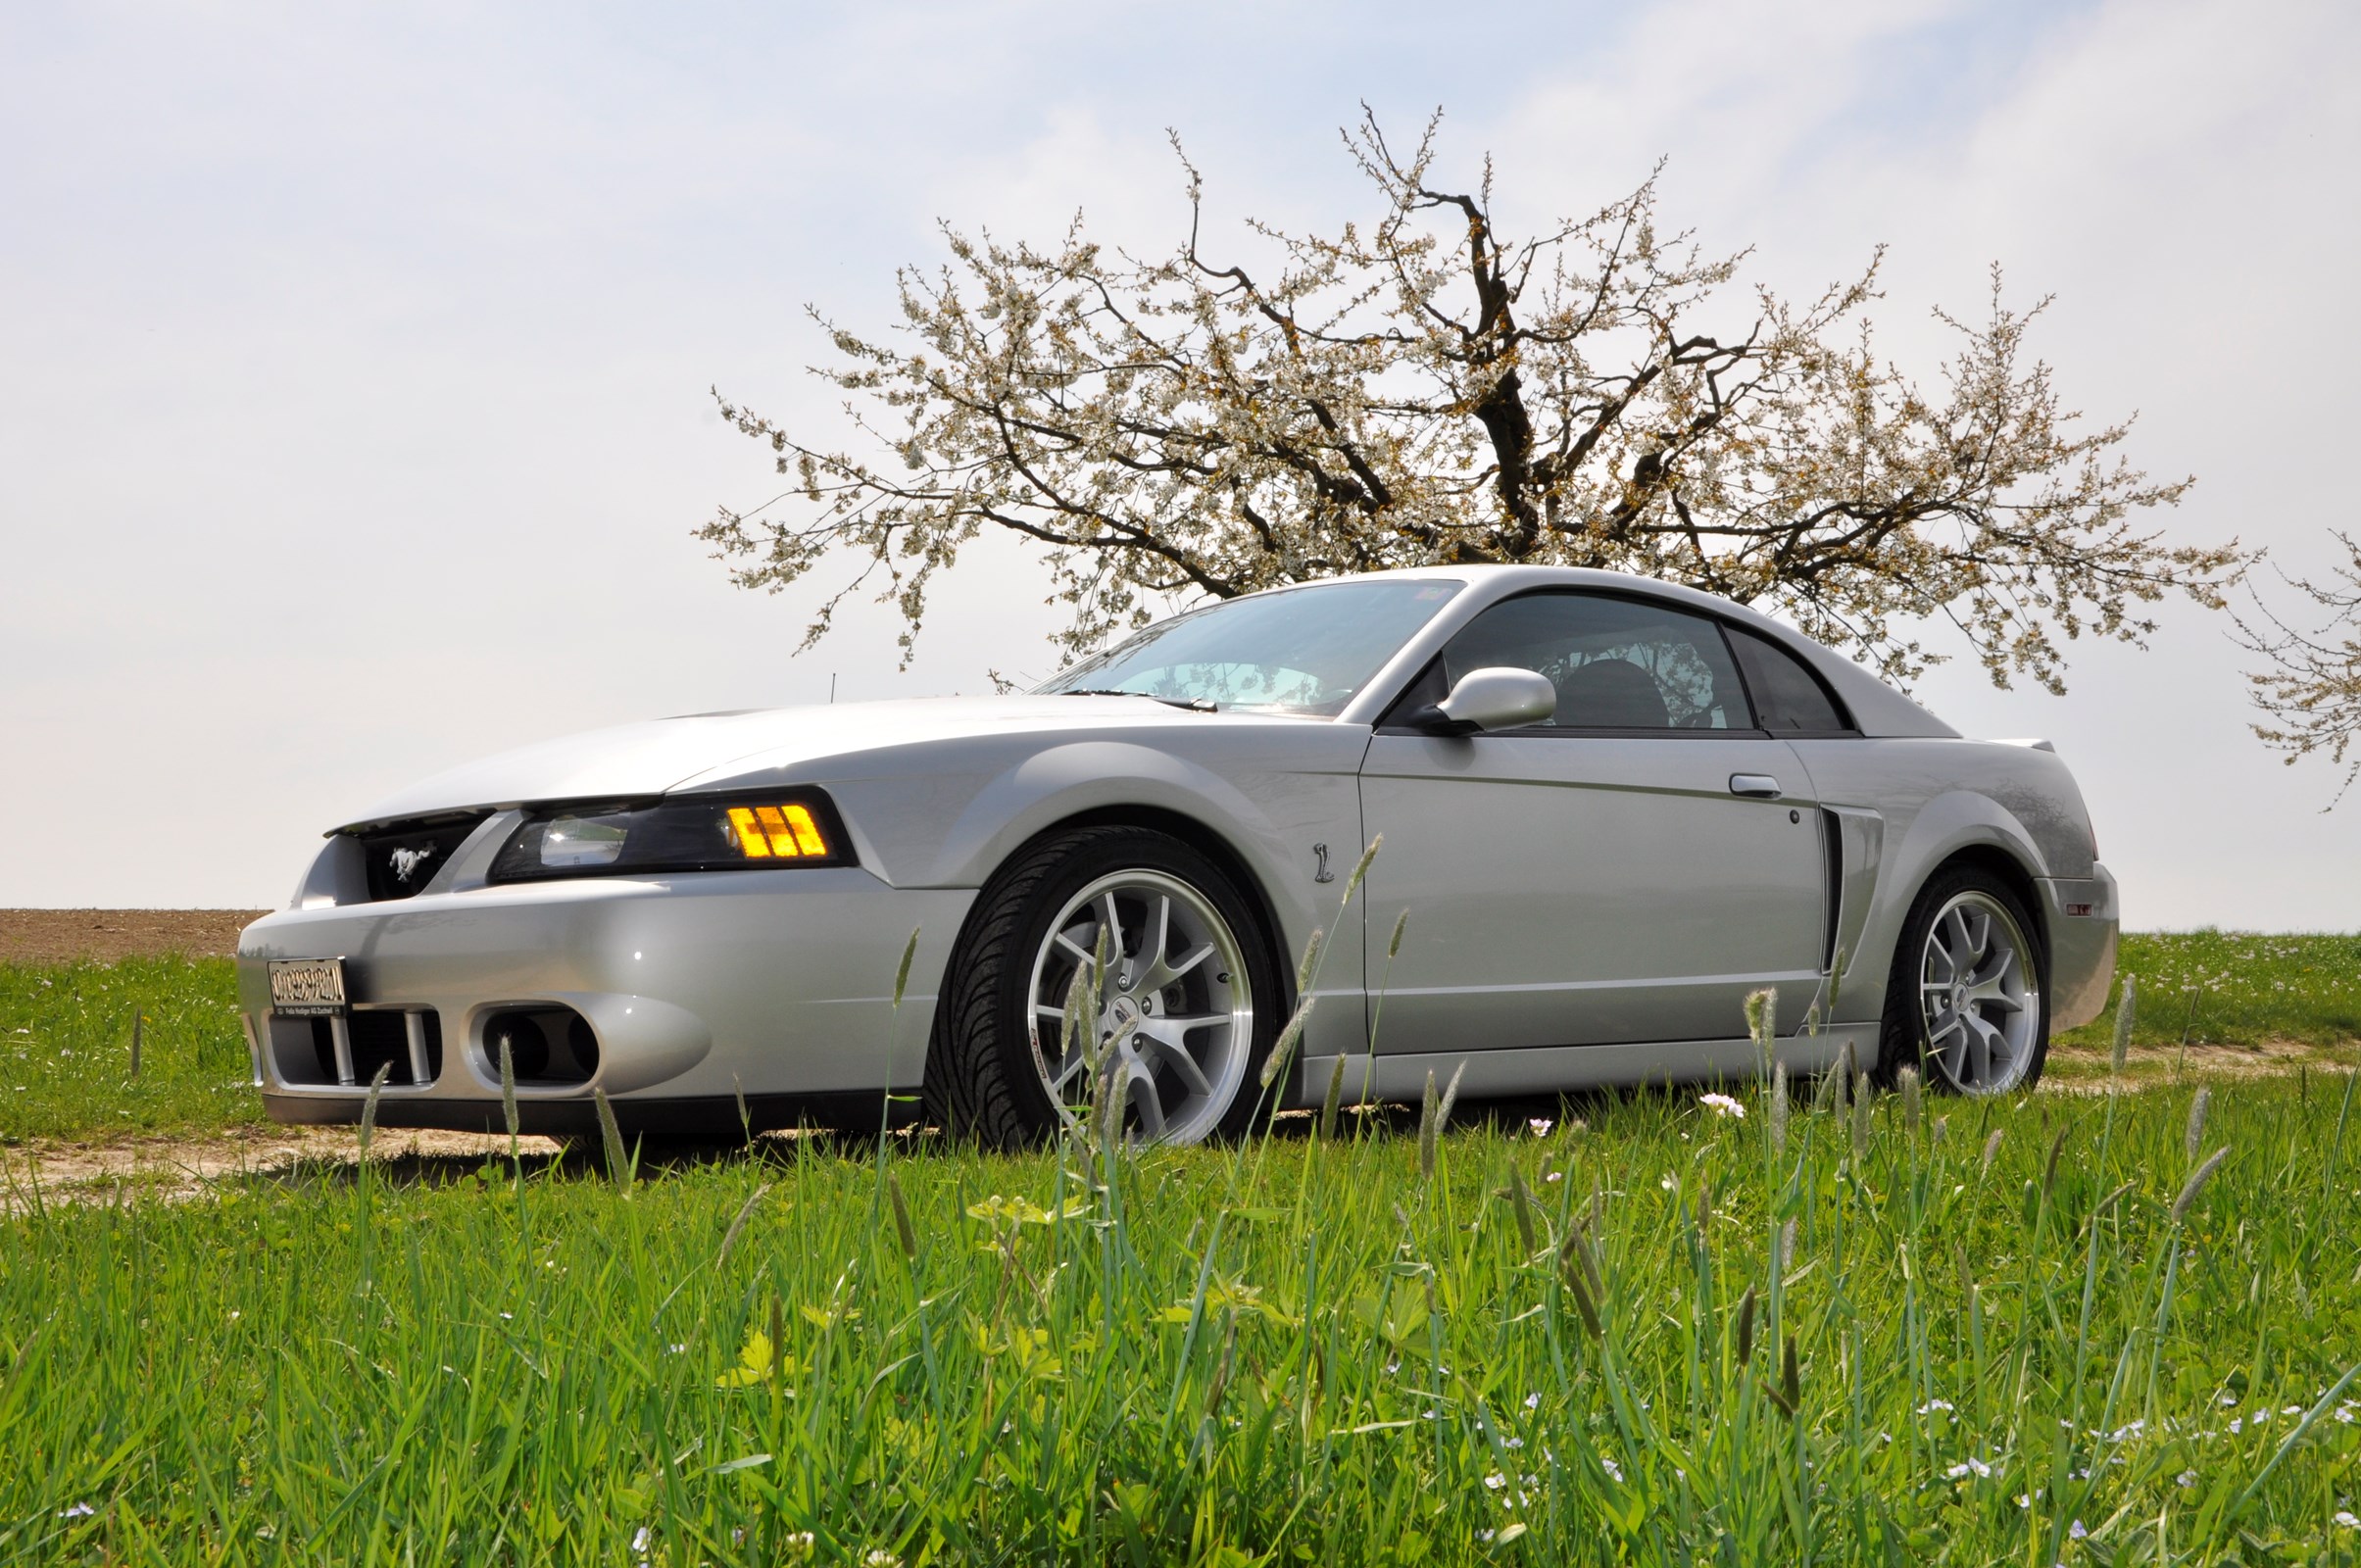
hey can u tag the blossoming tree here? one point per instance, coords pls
(1425, 388)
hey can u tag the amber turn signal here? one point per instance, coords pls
(782, 832)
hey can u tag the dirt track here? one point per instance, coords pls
(59, 936)
(183, 1167)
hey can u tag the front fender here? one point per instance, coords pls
(1067, 781)
(1273, 818)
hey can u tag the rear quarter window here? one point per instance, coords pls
(1790, 698)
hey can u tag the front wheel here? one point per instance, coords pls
(1965, 1000)
(1184, 1007)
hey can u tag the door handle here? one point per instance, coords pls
(1761, 784)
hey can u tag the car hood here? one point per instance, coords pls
(662, 754)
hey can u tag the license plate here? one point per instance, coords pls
(307, 988)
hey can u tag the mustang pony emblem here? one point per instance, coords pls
(406, 862)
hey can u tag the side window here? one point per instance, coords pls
(1788, 699)
(1617, 664)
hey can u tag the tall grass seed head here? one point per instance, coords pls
(730, 1237)
(2124, 1011)
(2197, 1184)
(1429, 1103)
(1334, 1099)
(1360, 868)
(1310, 962)
(508, 1086)
(1286, 1042)
(2194, 1139)
(368, 1107)
(909, 950)
(904, 1232)
(1451, 1097)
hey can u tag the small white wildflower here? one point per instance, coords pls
(2229, 1398)
(1723, 1106)
(2345, 1413)
(882, 1558)
(1555, 1176)
(639, 1541)
(2187, 1478)
(1494, 1481)
(81, 1510)
(1968, 1467)
(1614, 1472)
(2076, 1532)
(1486, 1535)
(2236, 1426)
(1669, 1182)
(1933, 1406)
(1512, 1443)
(1533, 1401)
(1540, 1126)
(2345, 1520)
(2293, 1409)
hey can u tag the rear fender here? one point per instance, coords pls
(1946, 826)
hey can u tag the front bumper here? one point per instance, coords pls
(710, 996)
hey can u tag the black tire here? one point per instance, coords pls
(983, 1082)
(1903, 1037)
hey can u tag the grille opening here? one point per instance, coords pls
(401, 861)
(304, 1050)
(547, 1045)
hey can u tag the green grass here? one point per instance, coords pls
(66, 1050)
(1290, 1353)
(2236, 988)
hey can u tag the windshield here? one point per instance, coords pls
(1300, 651)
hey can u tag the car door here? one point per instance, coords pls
(1627, 871)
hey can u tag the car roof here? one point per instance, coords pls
(1877, 707)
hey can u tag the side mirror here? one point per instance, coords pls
(1496, 698)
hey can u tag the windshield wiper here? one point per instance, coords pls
(1195, 704)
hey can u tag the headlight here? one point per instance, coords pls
(778, 829)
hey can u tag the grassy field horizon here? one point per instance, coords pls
(2243, 1001)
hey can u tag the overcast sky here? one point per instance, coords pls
(354, 362)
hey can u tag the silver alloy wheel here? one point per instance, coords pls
(1980, 994)
(1176, 1012)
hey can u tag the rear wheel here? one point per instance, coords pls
(1183, 1010)
(1965, 1002)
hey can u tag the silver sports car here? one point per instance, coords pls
(1595, 814)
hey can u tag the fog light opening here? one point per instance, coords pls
(527, 1047)
(547, 1045)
